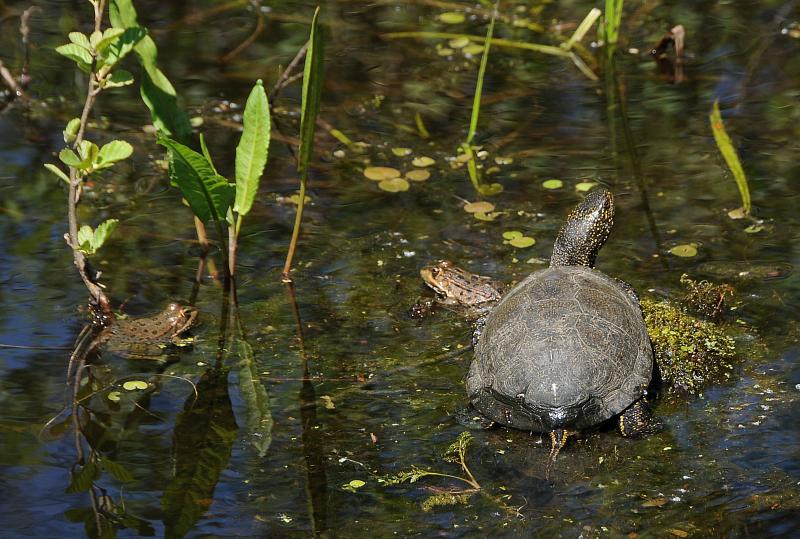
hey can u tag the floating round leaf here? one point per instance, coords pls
(686, 250)
(459, 42)
(394, 185)
(582, 187)
(114, 396)
(132, 385)
(418, 175)
(552, 184)
(452, 17)
(481, 206)
(401, 152)
(754, 228)
(481, 216)
(422, 161)
(381, 173)
(445, 51)
(491, 189)
(522, 242)
(511, 234)
(356, 483)
(738, 213)
(501, 160)
(473, 49)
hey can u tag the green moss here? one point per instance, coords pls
(706, 299)
(691, 353)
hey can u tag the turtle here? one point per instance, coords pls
(567, 348)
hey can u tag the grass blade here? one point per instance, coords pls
(476, 100)
(253, 149)
(729, 154)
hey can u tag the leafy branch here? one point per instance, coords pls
(98, 55)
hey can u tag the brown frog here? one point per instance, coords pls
(456, 286)
(147, 336)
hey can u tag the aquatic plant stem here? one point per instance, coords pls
(298, 219)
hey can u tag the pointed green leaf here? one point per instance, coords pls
(82, 479)
(122, 45)
(77, 54)
(206, 153)
(80, 40)
(71, 131)
(209, 195)
(728, 152)
(102, 232)
(110, 153)
(312, 94)
(57, 171)
(118, 78)
(253, 149)
(157, 92)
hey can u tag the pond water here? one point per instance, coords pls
(288, 432)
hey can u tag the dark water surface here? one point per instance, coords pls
(267, 443)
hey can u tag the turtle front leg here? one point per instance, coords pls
(637, 420)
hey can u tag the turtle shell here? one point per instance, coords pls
(566, 348)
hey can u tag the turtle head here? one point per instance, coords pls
(585, 231)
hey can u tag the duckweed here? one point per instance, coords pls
(552, 184)
(379, 174)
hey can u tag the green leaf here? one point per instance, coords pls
(88, 151)
(729, 154)
(71, 159)
(476, 101)
(77, 54)
(206, 153)
(157, 92)
(80, 40)
(85, 237)
(57, 171)
(81, 480)
(71, 131)
(122, 45)
(119, 78)
(102, 233)
(101, 41)
(110, 153)
(116, 469)
(312, 94)
(209, 195)
(253, 149)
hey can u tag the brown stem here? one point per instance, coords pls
(202, 237)
(233, 240)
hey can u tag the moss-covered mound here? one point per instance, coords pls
(691, 353)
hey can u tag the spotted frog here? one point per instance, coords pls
(147, 336)
(456, 286)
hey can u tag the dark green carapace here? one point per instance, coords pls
(567, 348)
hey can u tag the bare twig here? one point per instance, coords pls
(25, 30)
(247, 42)
(283, 80)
